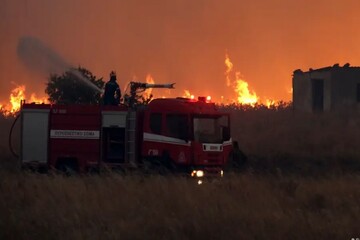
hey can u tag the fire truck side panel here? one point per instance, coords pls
(158, 145)
(85, 152)
(158, 141)
(75, 135)
(34, 145)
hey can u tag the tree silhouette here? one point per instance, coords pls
(68, 88)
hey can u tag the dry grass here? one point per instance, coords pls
(302, 183)
(298, 142)
(239, 207)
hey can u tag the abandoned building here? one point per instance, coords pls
(326, 89)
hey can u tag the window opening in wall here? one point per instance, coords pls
(317, 94)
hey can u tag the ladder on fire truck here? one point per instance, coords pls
(130, 132)
(130, 138)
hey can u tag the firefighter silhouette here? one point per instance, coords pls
(112, 92)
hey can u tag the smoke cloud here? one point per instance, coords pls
(182, 41)
(40, 58)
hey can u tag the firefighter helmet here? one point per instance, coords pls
(112, 74)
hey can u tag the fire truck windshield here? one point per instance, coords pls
(210, 129)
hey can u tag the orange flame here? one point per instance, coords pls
(149, 80)
(244, 95)
(187, 94)
(270, 103)
(229, 67)
(16, 95)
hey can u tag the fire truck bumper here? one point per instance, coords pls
(207, 173)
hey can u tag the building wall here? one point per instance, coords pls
(340, 88)
(302, 90)
(344, 91)
(301, 93)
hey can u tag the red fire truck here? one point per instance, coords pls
(172, 134)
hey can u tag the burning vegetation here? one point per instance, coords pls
(187, 94)
(239, 93)
(240, 86)
(16, 96)
(244, 96)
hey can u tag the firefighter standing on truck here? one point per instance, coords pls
(112, 92)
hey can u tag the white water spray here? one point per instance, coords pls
(41, 58)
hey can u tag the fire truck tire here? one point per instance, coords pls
(147, 167)
(166, 165)
(68, 167)
(152, 166)
(158, 165)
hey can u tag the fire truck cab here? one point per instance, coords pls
(179, 134)
(186, 134)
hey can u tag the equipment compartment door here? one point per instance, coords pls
(34, 145)
(113, 143)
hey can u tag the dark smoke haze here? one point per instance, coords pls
(183, 41)
(38, 57)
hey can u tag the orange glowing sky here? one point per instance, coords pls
(183, 41)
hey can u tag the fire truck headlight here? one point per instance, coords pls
(222, 173)
(199, 173)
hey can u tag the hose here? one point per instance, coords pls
(10, 137)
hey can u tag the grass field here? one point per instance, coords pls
(239, 207)
(301, 182)
(301, 143)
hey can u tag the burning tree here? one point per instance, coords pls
(74, 86)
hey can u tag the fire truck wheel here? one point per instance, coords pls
(158, 165)
(153, 166)
(147, 168)
(166, 165)
(68, 167)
